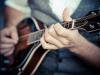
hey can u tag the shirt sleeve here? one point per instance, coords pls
(21, 6)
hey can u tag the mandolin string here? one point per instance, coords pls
(76, 21)
(80, 20)
(32, 33)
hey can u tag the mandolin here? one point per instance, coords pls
(29, 53)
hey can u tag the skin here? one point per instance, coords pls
(12, 17)
(9, 39)
(54, 37)
(57, 37)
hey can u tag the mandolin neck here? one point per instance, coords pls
(90, 23)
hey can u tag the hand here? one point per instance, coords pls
(58, 37)
(9, 39)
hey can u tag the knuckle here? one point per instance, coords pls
(51, 30)
(61, 46)
(47, 39)
(16, 42)
(65, 42)
(60, 33)
(44, 46)
(40, 39)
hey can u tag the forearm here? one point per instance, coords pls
(12, 16)
(88, 51)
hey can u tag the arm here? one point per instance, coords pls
(58, 37)
(12, 17)
(87, 50)
(15, 11)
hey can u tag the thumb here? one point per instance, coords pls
(66, 16)
(14, 34)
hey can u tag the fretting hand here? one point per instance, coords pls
(58, 37)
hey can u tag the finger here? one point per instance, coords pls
(63, 31)
(66, 33)
(7, 51)
(7, 40)
(47, 45)
(48, 38)
(5, 46)
(6, 36)
(14, 34)
(60, 30)
(66, 16)
(4, 32)
(52, 32)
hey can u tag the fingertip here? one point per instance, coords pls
(41, 39)
(15, 36)
(14, 33)
(66, 15)
(15, 41)
(10, 52)
(58, 26)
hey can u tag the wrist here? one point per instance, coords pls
(81, 45)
